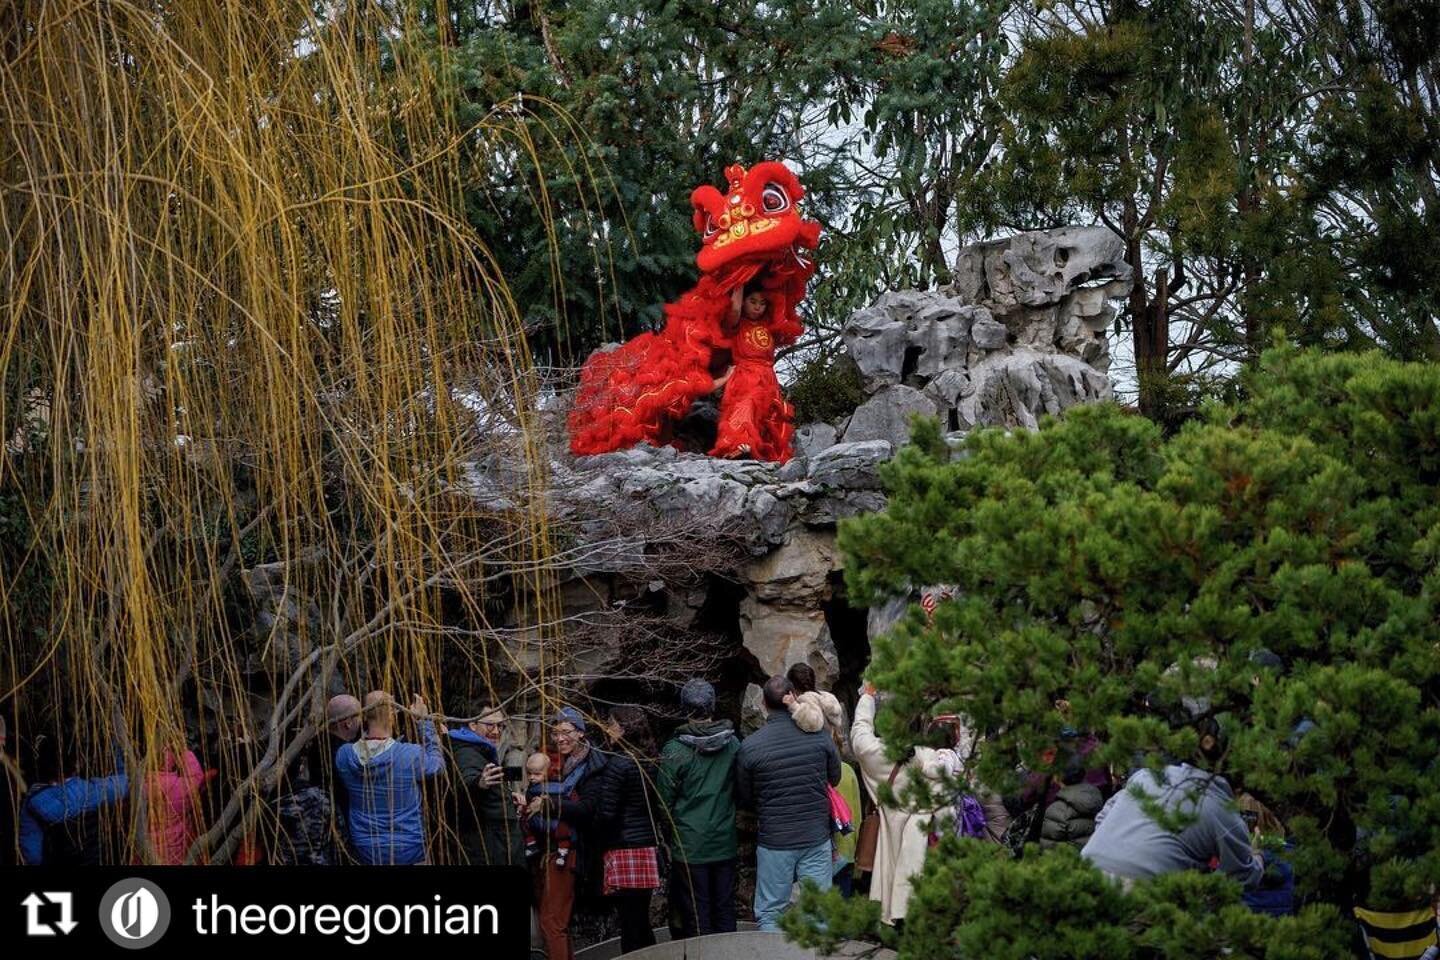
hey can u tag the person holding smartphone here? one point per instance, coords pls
(488, 823)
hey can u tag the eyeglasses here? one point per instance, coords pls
(560, 734)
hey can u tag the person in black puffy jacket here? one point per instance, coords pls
(625, 816)
(1071, 817)
(612, 810)
(781, 772)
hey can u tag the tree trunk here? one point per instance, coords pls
(1150, 327)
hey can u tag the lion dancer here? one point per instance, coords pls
(755, 419)
(636, 393)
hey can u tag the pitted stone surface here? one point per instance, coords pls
(1020, 333)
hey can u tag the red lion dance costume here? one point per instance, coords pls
(637, 392)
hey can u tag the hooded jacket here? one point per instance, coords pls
(696, 784)
(488, 824)
(173, 793)
(1129, 842)
(60, 823)
(383, 778)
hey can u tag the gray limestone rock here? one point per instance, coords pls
(989, 335)
(949, 387)
(1042, 267)
(827, 511)
(795, 470)
(772, 513)
(880, 620)
(1019, 334)
(796, 571)
(886, 415)
(876, 342)
(814, 437)
(850, 465)
(782, 634)
(1016, 389)
(752, 710)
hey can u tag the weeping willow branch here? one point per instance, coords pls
(239, 299)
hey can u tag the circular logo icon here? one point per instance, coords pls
(134, 913)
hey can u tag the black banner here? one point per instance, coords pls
(337, 910)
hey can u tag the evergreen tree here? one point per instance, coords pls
(631, 104)
(1269, 165)
(886, 109)
(1172, 123)
(1102, 565)
(1373, 169)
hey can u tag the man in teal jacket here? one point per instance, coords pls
(696, 786)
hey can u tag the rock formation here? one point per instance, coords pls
(1021, 333)
(744, 552)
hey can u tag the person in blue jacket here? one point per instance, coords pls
(382, 777)
(60, 816)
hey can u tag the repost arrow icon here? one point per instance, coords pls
(65, 900)
(35, 927)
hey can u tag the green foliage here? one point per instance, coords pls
(1101, 563)
(630, 105)
(25, 571)
(1376, 142)
(826, 920)
(1278, 179)
(826, 389)
(1263, 179)
(973, 900)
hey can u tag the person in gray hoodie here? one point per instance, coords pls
(1130, 844)
(696, 787)
(383, 777)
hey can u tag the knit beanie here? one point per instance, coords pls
(571, 716)
(697, 697)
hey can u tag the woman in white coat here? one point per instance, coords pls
(904, 833)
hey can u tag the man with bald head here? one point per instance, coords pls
(342, 715)
(342, 726)
(383, 778)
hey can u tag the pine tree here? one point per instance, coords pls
(1100, 564)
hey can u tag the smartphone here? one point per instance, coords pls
(514, 774)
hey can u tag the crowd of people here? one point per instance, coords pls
(594, 808)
